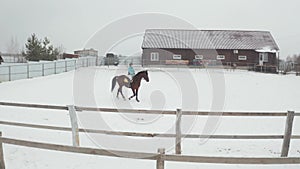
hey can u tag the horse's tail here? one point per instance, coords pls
(113, 83)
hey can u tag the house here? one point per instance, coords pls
(86, 52)
(68, 55)
(208, 47)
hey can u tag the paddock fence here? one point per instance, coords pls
(16, 71)
(160, 157)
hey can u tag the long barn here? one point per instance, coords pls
(209, 47)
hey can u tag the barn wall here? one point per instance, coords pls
(188, 54)
(272, 59)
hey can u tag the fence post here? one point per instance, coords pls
(75, 63)
(2, 164)
(9, 73)
(75, 131)
(66, 66)
(43, 69)
(55, 67)
(160, 163)
(178, 131)
(287, 134)
(28, 74)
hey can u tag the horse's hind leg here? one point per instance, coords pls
(118, 92)
(122, 93)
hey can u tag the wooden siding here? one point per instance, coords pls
(189, 54)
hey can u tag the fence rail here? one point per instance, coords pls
(145, 111)
(54, 107)
(170, 112)
(152, 156)
(160, 157)
(150, 135)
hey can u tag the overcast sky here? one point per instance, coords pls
(72, 22)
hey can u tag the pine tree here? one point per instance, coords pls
(39, 49)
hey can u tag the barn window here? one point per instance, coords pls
(235, 51)
(199, 57)
(154, 56)
(242, 57)
(220, 57)
(176, 57)
(264, 57)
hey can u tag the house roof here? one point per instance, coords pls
(85, 50)
(208, 39)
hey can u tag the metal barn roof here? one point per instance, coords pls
(208, 39)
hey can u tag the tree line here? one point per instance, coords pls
(295, 58)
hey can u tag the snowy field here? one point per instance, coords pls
(168, 89)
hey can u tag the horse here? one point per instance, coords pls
(1, 59)
(134, 84)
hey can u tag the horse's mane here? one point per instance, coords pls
(141, 72)
(144, 71)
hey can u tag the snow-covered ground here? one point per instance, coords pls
(168, 89)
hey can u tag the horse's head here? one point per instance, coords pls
(145, 76)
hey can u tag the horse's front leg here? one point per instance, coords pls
(136, 95)
(133, 94)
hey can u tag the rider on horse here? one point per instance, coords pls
(131, 71)
(123, 80)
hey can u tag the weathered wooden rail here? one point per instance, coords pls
(144, 111)
(160, 157)
(150, 135)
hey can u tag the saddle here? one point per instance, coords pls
(128, 81)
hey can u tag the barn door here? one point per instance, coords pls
(261, 59)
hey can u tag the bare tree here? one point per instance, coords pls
(288, 58)
(61, 49)
(298, 59)
(13, 46)
(295, 58)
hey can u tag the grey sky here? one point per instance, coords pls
(72, 22)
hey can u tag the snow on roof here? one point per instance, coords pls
(266, 50)
(208, 39)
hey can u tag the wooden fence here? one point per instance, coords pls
(160, 157)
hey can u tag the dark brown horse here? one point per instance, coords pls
(134, 84)
(1, 59)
